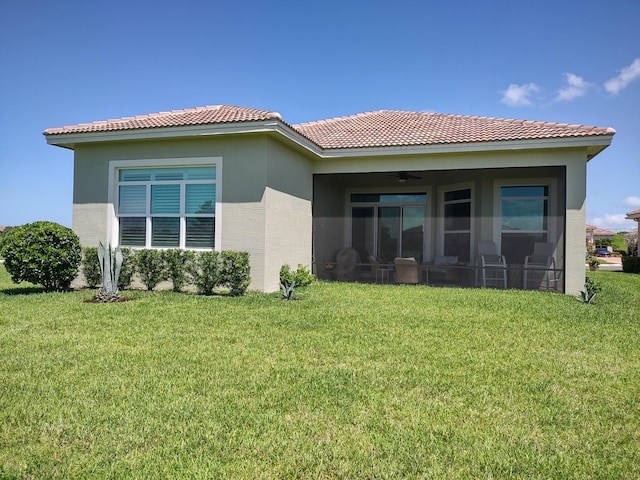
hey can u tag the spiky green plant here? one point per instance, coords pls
(110, 265)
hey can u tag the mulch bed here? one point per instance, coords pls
(120, 300)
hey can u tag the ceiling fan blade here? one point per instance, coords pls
(404, 176)
(408, 176)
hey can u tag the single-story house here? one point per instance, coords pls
(635, 215)
(594, 234)
(384, 184)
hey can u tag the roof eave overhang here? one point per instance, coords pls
(593, 144)
(71, 140)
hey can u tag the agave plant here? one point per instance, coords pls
(287, 290)
(110, 265)
(591, 289)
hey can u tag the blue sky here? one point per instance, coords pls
(64, 63)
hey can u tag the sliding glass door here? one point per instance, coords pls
(363, 231)
(387, 226)
(388, 232)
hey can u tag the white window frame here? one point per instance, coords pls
(113, 225)
(552, 200)
(441, 204)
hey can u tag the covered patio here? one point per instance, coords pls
(478, 227)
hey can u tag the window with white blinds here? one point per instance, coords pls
(167, 207)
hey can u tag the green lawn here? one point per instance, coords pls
(352, 381)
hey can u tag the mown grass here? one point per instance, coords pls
(352, 381)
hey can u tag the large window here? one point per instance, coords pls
(167, 207)
(388, 225)
(524, 219)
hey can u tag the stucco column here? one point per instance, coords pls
(576, 192)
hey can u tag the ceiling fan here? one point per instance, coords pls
(404, 176)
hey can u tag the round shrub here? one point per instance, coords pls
(235, 271)
(206, 271)
(177, 263)
(150, 266)
(43, 253)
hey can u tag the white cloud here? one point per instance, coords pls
(632, 202)
(576, 87)
(627, 75)
(519, 95)
(615, 222)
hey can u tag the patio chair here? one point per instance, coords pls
(440, 271)
(540, 265)
(379, 272)
(406, 270)
(490, 261)
(374, 264)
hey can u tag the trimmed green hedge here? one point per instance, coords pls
(235, 271)
(206, 271)
(630, 264)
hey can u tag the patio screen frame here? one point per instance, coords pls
(550, 229)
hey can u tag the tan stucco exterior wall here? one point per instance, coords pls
(575, 221)
(267, 189)
(288, 217)
(266, 196)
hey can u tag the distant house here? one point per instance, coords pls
(635, 215)
(386, 184)
(594, 234)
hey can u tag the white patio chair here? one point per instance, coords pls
(540, 265)
(489, 260)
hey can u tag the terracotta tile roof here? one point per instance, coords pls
(633, 214)
(599, 231)
(383, 128)
(399, 128)
(175, 118)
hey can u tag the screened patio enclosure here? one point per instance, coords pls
(440, 219)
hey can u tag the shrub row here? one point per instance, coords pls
(206, 271)
(630, 264)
